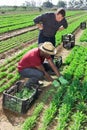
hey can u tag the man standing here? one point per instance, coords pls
(49, 24)
(32, 64)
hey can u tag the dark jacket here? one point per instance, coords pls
(50, 25)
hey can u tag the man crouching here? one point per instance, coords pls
(32, 64)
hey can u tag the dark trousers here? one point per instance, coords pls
(34, 74)
(43, 39)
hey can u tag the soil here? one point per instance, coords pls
(13, 121)
(16, 32)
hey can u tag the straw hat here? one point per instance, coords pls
(48, 48)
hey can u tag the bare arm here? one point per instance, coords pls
(47, 76)
(54, 67)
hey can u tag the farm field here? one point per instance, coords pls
(16, 41)
(57, 107)
(18, 21)
(10, 22)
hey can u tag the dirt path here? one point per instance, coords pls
(78, 34)
(16, 33)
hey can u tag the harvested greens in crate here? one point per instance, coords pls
(19, 98)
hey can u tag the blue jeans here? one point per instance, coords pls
(43, 39)
(33, 74)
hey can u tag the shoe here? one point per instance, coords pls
(40, 83)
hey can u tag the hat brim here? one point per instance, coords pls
(48, 52)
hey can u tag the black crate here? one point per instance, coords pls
(58, 61)
(83, 25)
(68, 41)
(16, 104)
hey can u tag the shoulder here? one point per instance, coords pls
(33, 51)
(49, 14)
(64, 20)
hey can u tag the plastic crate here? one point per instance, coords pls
(58, 61)
(16, 104)
(83, 25)
(68, 41)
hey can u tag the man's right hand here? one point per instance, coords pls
(40, 26)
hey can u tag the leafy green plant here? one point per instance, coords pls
(16, 22)
(11, 69)
(30, 121)
(81, 106)
(10, 76)
(3, 74)
(50, 112)
(3, 81)
(84, 36)
(17, 41)
(25, 93)
(78, 118)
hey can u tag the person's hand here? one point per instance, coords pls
(40, 26)
(61, 28)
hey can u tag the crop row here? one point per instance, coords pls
(76, 63)
(17, 41)
(6, 19)
(18, 20)
(74, 13)
(83, 38)
(76, 71)
(12, 23)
